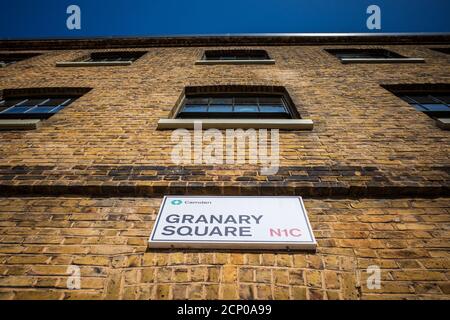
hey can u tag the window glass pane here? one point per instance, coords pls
(110, 58)
(18, 109)
(222, 101)
(366, 53)
(269, 108)
(41, 109)
(270, 100)
(12, 102)
(245, 108)
(193, 108)
(55, 110)
(407, 99)
(235, 55)
(120, 59)
(346, 55)
(33, 102)
(422, 98)
(443, 97)
(196, 101)
(418, 107)
(436, 107)
(372, 55)
(357, 55)
(220, 108)
(246, 100)
(386, 54)
(55, 101)
(211, 56)
(68, 101)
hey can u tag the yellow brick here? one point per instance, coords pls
(280, 276)
(180, 275)
(147, 275)
(195, 292)
(298, 293)
(314, 278)
(162, 291)
(38, 295)
(263, 275)
(264, 292)
(179, 291)
(212, 291)
(199, 274)
(281, 293)
(229, 274)
(229, 292)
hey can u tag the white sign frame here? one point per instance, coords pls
(153, 243)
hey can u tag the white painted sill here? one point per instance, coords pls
(92, 64)
(443, 123)
(19, 124)
(382, 60)
(267, 61)
(284, 124)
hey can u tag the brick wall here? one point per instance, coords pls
(357, 122)
(41, 237)
(374, 173)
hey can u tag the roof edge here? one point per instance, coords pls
(229, 40)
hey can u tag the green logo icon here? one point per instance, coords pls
(176, 202)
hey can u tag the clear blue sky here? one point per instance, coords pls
(109, 18)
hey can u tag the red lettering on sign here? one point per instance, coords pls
(294, 232)
(276, 232)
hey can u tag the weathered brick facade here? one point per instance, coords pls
(84, 188)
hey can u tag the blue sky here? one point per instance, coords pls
(108, 18)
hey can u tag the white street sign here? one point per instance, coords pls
(232, 223)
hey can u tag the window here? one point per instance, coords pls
(110, 58)
(25, 108)
(436, 105)
(240, 56)
(369, 56)
(431, 99)
(235, 106)
(33, 108)
(7, 59)
(114, 56)
(442, 50)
